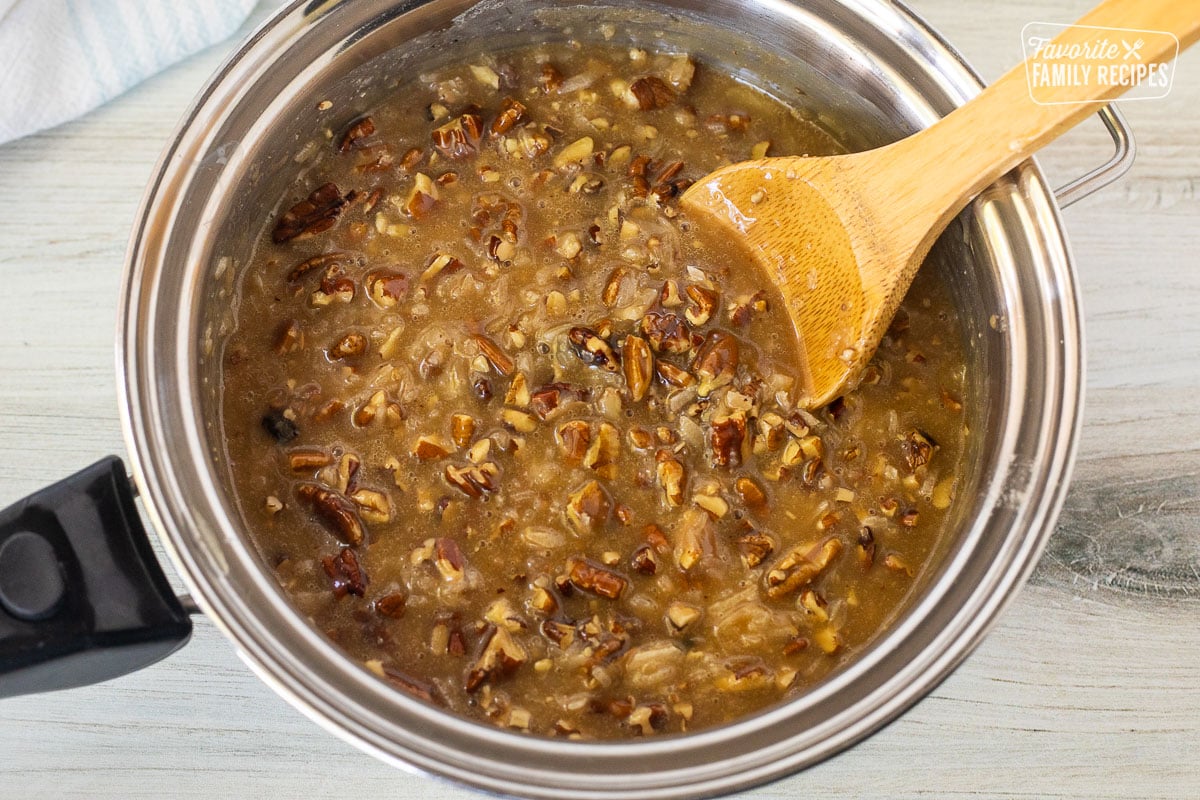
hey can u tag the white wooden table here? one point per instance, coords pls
(1088, 688)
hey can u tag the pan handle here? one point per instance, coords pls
(82, 597)
(1109, 171)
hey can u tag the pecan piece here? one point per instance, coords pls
(703, 306)
(588, 507)
(602, 454)
(726, 435)
(354, 136)
(349, 346)
(502, 655)
(511, 112)
(716, 362)
(500, 360)
(644, 560)
(420, 689)
(670, 477)
(592, 349)
(595, 578)
(547, 399)
(335, 510)
(391, 606)
(755, 547)
(573, 438)
(918, 448)
(672, 375)
(666, 332)
(449, 559)
(550, 79)
(458, 137)
(462, 428)
(473, 481)
(422, 197)
(800, 565)
(347, 575)
(749, 491)
(315, 214)
(336, 261)
(638, 364)
(648, 93)
(386, 288)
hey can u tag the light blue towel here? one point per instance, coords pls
(62, 58)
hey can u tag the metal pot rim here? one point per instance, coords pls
(199, 541)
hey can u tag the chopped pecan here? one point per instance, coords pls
(385, 287)
(429, 448)
(347, 575)
(644, 560)
(866, 547)
(462, 428)
(351, 345)
(458, 137)
(648, 93)
(918, 448)
(750, 492)
(473, 481)
(612, 287)
(755, 547)
(449, 559)
(500, 360)
(511, 112)
(588, 507)
(592, 349)
(307, 460)
(573, 438)
(335, 510)
(668, 333)
(672, 375)
(726, 435)
(547, 399)
(591, 577)
(602, 454)
(391, 606)
(670, 477)
(325, 261)
(716, 362)
(422, 197)
(703, 306)
(502, 655)
(550, 79)
(800, 565)
(315, 214)
(638, 364)
(420, 689)
(354, 136)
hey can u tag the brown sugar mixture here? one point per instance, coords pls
(523, 442)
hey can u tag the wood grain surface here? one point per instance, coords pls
(1088, 688)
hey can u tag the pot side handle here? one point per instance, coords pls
(82, 597)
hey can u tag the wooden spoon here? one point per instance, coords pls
(843, 236)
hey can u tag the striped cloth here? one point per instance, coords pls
(62, 58)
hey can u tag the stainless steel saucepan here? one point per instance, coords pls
(81, 598)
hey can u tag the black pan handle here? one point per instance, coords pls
(82, 597)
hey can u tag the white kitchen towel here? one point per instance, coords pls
(62, 58)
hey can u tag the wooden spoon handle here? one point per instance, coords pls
(977, 143)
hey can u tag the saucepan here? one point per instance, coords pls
(82, 599)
